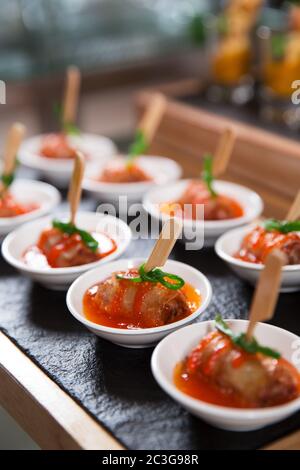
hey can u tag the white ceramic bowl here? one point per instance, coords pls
(30, 192)
(178, 345)
(15, 244)
(143, 337)
(229, 243)
(97, 148)
(249, 200)
(161, 169)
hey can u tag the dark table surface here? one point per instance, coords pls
(115, 384)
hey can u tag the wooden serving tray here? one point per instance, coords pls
(266, 162)
(72, 390)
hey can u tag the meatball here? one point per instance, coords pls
(63, 250)
(220, 207)
(147, 304)
(57, 146)
(257, 244)
(256, 379)
(118, 172)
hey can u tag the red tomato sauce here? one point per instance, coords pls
(200, 388)
(120, 172)
(9, 207)
(57, 249)
(57, 146)
(220, 207)
(198, 382)
(258, 243)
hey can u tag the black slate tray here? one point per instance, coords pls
(114, 384)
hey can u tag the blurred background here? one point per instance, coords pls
(119, 45)
(247, 51)
(245, 54)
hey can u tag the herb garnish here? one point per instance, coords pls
(155, 275)
(207, 174)
(68, 127)
(283, 226)
(251, 347)
(70, 229)
(7, 179)
(71, 129)
(138, 146)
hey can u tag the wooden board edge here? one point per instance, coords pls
(175, 89)
(52, 418)
(48, 414)
(186, 131)
(197, 116)
(289, 442)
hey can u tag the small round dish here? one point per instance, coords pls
(15, 244)
(30, 192)
(162, 170)
(249, 200)
(97, 148)
(135, 338)
(178, 345)
(228, 244)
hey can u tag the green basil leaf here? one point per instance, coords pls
(222, 326)
(65, 227)
(7, 179)
(138, 146)
(240, 340)
(88, 239)
(179, 282)
(155, 275)
(70, 229)
(284, 226)
(149, 276)
(268, 352)
(71, 129)
(207, 174)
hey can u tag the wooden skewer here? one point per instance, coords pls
(75, 188)
(153, 116)
(13, 141)
(70, 103)
(267, 291)
(224, 151)
(294, 211)
(164, 245)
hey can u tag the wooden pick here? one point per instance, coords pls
(294, 211)
(164, 245)
(267, 291)
(224, 151)
(75, 188)
(153, 116)
(70, 103)
(13, 141)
